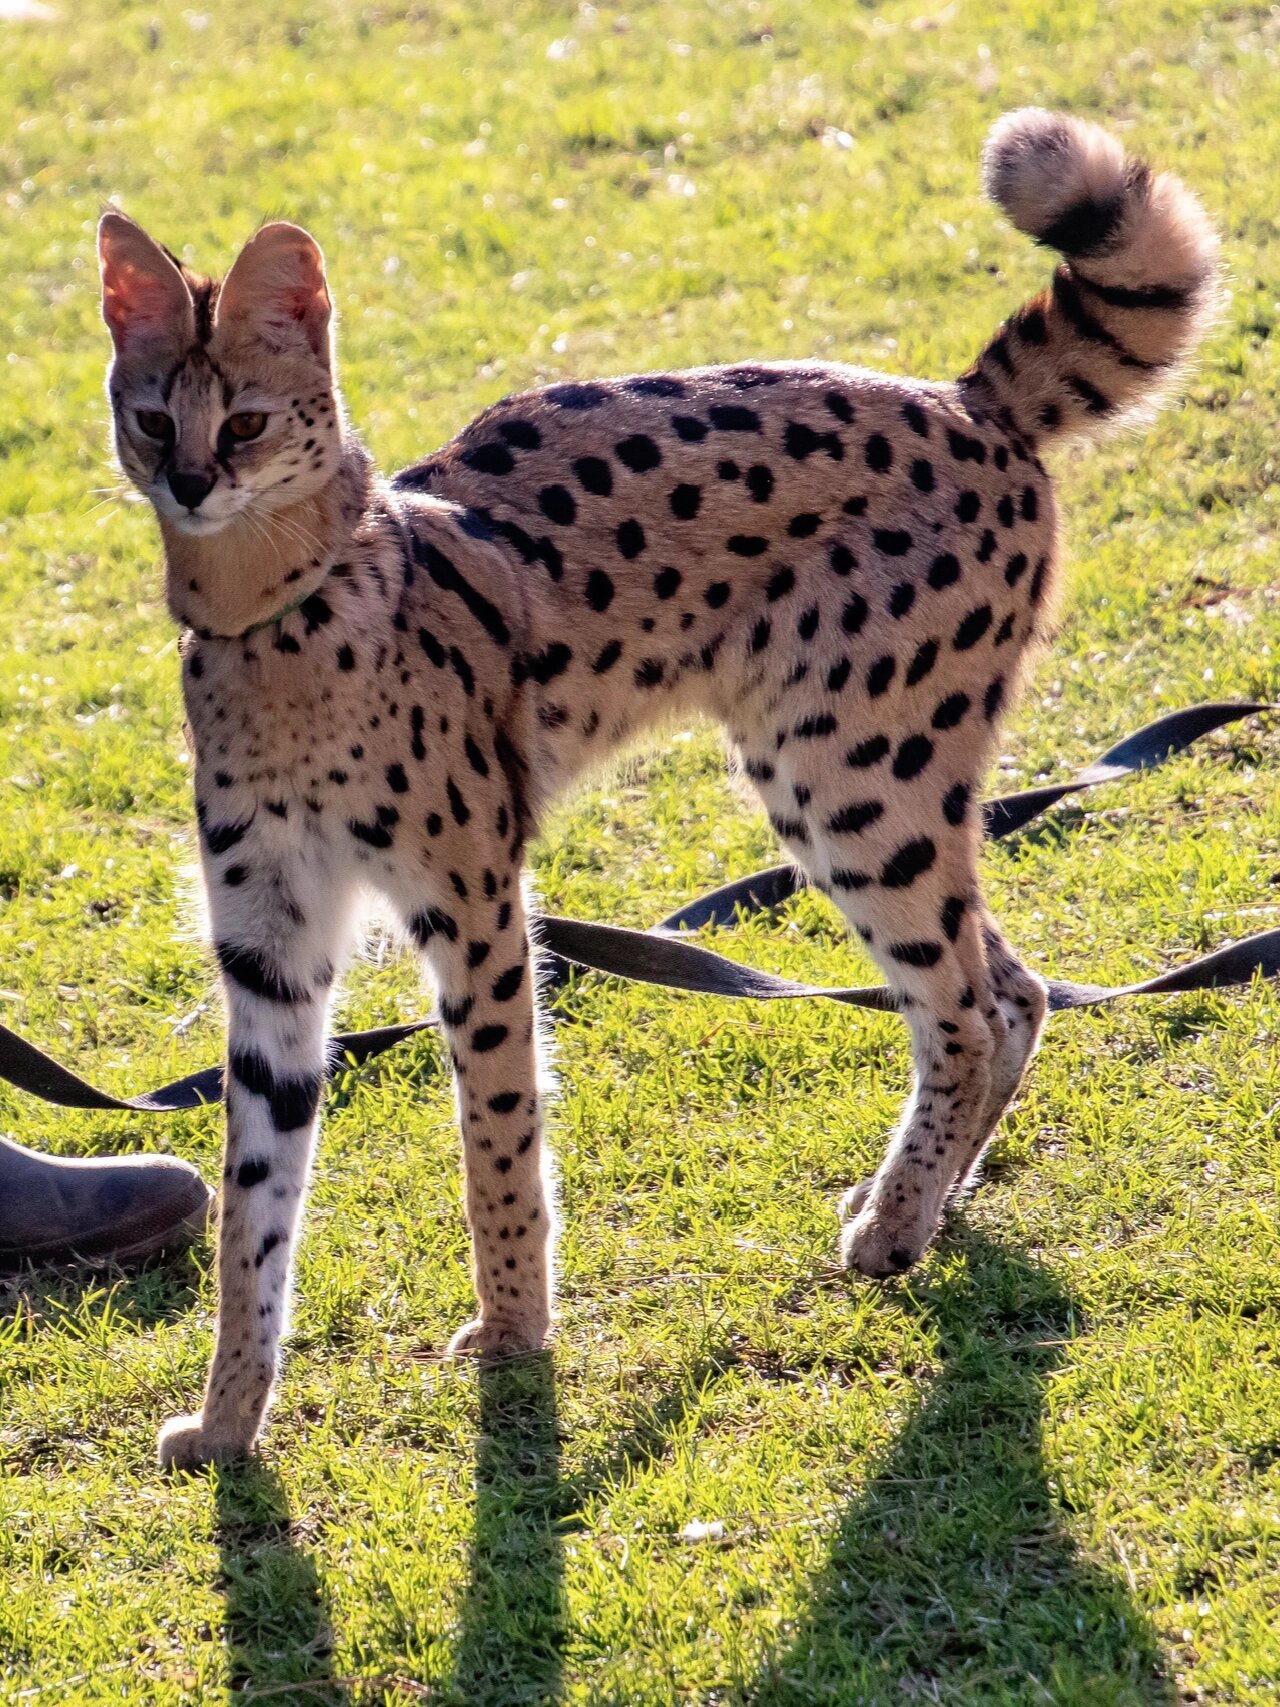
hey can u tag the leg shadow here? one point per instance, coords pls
(277, 1628)
(512, 1627)
(953, 1578)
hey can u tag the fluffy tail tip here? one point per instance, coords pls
(1061, 180)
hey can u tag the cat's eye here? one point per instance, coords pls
(246, 425)
(155, 423)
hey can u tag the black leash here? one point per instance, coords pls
(664, 956)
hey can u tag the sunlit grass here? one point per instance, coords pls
(1045, 1469)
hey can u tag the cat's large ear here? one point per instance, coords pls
(144, 296)
(277, 290)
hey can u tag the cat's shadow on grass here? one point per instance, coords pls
(952, 1576)
(276, 1623)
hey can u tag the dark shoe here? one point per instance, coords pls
(105, 1209)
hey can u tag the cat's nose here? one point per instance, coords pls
(190, 489)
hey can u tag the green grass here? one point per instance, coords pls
(1046, 1467)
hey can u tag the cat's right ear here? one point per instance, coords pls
(144, 296)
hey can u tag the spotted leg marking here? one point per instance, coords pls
(913, 900)
(478, 952)
(1021, 1004)
(279, 945)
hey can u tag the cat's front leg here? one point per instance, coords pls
(478, 952)
(280, 934)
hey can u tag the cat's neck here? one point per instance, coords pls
(263, 562)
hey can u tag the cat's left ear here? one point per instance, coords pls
(144, 295)
(276, 290)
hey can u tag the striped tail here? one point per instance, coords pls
(1135, 293)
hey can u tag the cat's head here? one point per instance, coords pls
(223, 394)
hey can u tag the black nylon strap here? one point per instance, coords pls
(664, 957)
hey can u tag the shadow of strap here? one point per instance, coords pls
(662, 956)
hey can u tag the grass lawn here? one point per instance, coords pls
(1045, 1468)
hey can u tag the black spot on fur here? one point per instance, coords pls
(430, 922)
(508, 983)
(926, 656)
(854, 614)
(972, 628)
(490, 459)
(880, 675)
(950, 915)
(252, 970)
(577, 396)
(557, 505)
(457, 805)
(892, 542)
(600, 590)
(733, 418)
(910, 861)
(912, 756)
(689, 428)
(867, 753)
(630, 538)
(221, 838)
(594, 475)
(851, 820)
(879, 454)
(760, 482)
(951, 710)
(943, 571)
(801, 441)
(966, 449)
(522, 434)
(638, 453)
(955, 803)
(918, 954)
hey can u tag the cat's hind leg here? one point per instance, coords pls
(901, 864)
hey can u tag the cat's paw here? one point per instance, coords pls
(879, 1244)
(850, 1206)
(492, 1338)
(184, 1444)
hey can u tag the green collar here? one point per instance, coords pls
(288, 610)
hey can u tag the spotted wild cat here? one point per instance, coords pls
(387, 682)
